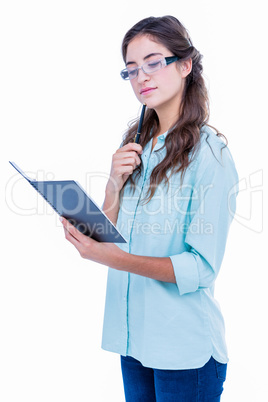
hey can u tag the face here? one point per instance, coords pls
(161, 90)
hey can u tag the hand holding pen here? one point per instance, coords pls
(125, 160)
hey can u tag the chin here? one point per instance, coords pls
(149, 104)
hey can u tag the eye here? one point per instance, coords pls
(154, 64)
(132, 72)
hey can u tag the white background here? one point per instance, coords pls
(64, 109)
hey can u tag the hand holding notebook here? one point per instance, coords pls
(70, 201)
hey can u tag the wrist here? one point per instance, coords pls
(112, 188)
(111, 204)
(112, 256)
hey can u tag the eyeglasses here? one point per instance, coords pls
(148, 68)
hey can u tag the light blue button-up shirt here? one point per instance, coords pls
(166, 325)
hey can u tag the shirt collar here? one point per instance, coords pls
(162, 137)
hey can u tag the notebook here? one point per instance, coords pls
(69, 200)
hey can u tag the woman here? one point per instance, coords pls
(172, 197)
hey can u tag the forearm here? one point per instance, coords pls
(111, 205)
(159, 268)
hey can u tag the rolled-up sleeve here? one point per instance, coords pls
(210, 214)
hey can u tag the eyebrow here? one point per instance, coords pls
(145, 58)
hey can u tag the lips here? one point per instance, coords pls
(146, 90)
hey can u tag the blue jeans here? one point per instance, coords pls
(142, 384)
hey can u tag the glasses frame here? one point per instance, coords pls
(168, 60)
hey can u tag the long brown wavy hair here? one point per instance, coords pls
(184, 137)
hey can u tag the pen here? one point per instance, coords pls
(137, 136)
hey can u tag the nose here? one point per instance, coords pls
(142, 76)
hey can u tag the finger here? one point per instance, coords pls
(131, 146)
(72, 230)
(138, 161)
(129, 161)
(135, 156)
(127, 158)
(124, 169)
(125, 154)
(71, 239)
(128, 170)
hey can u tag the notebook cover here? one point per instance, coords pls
(69, 200)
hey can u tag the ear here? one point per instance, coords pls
(186, 67)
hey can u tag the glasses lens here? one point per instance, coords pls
(132, 73)
(153, 66)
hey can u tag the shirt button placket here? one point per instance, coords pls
(125, 316)
(125, 297)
